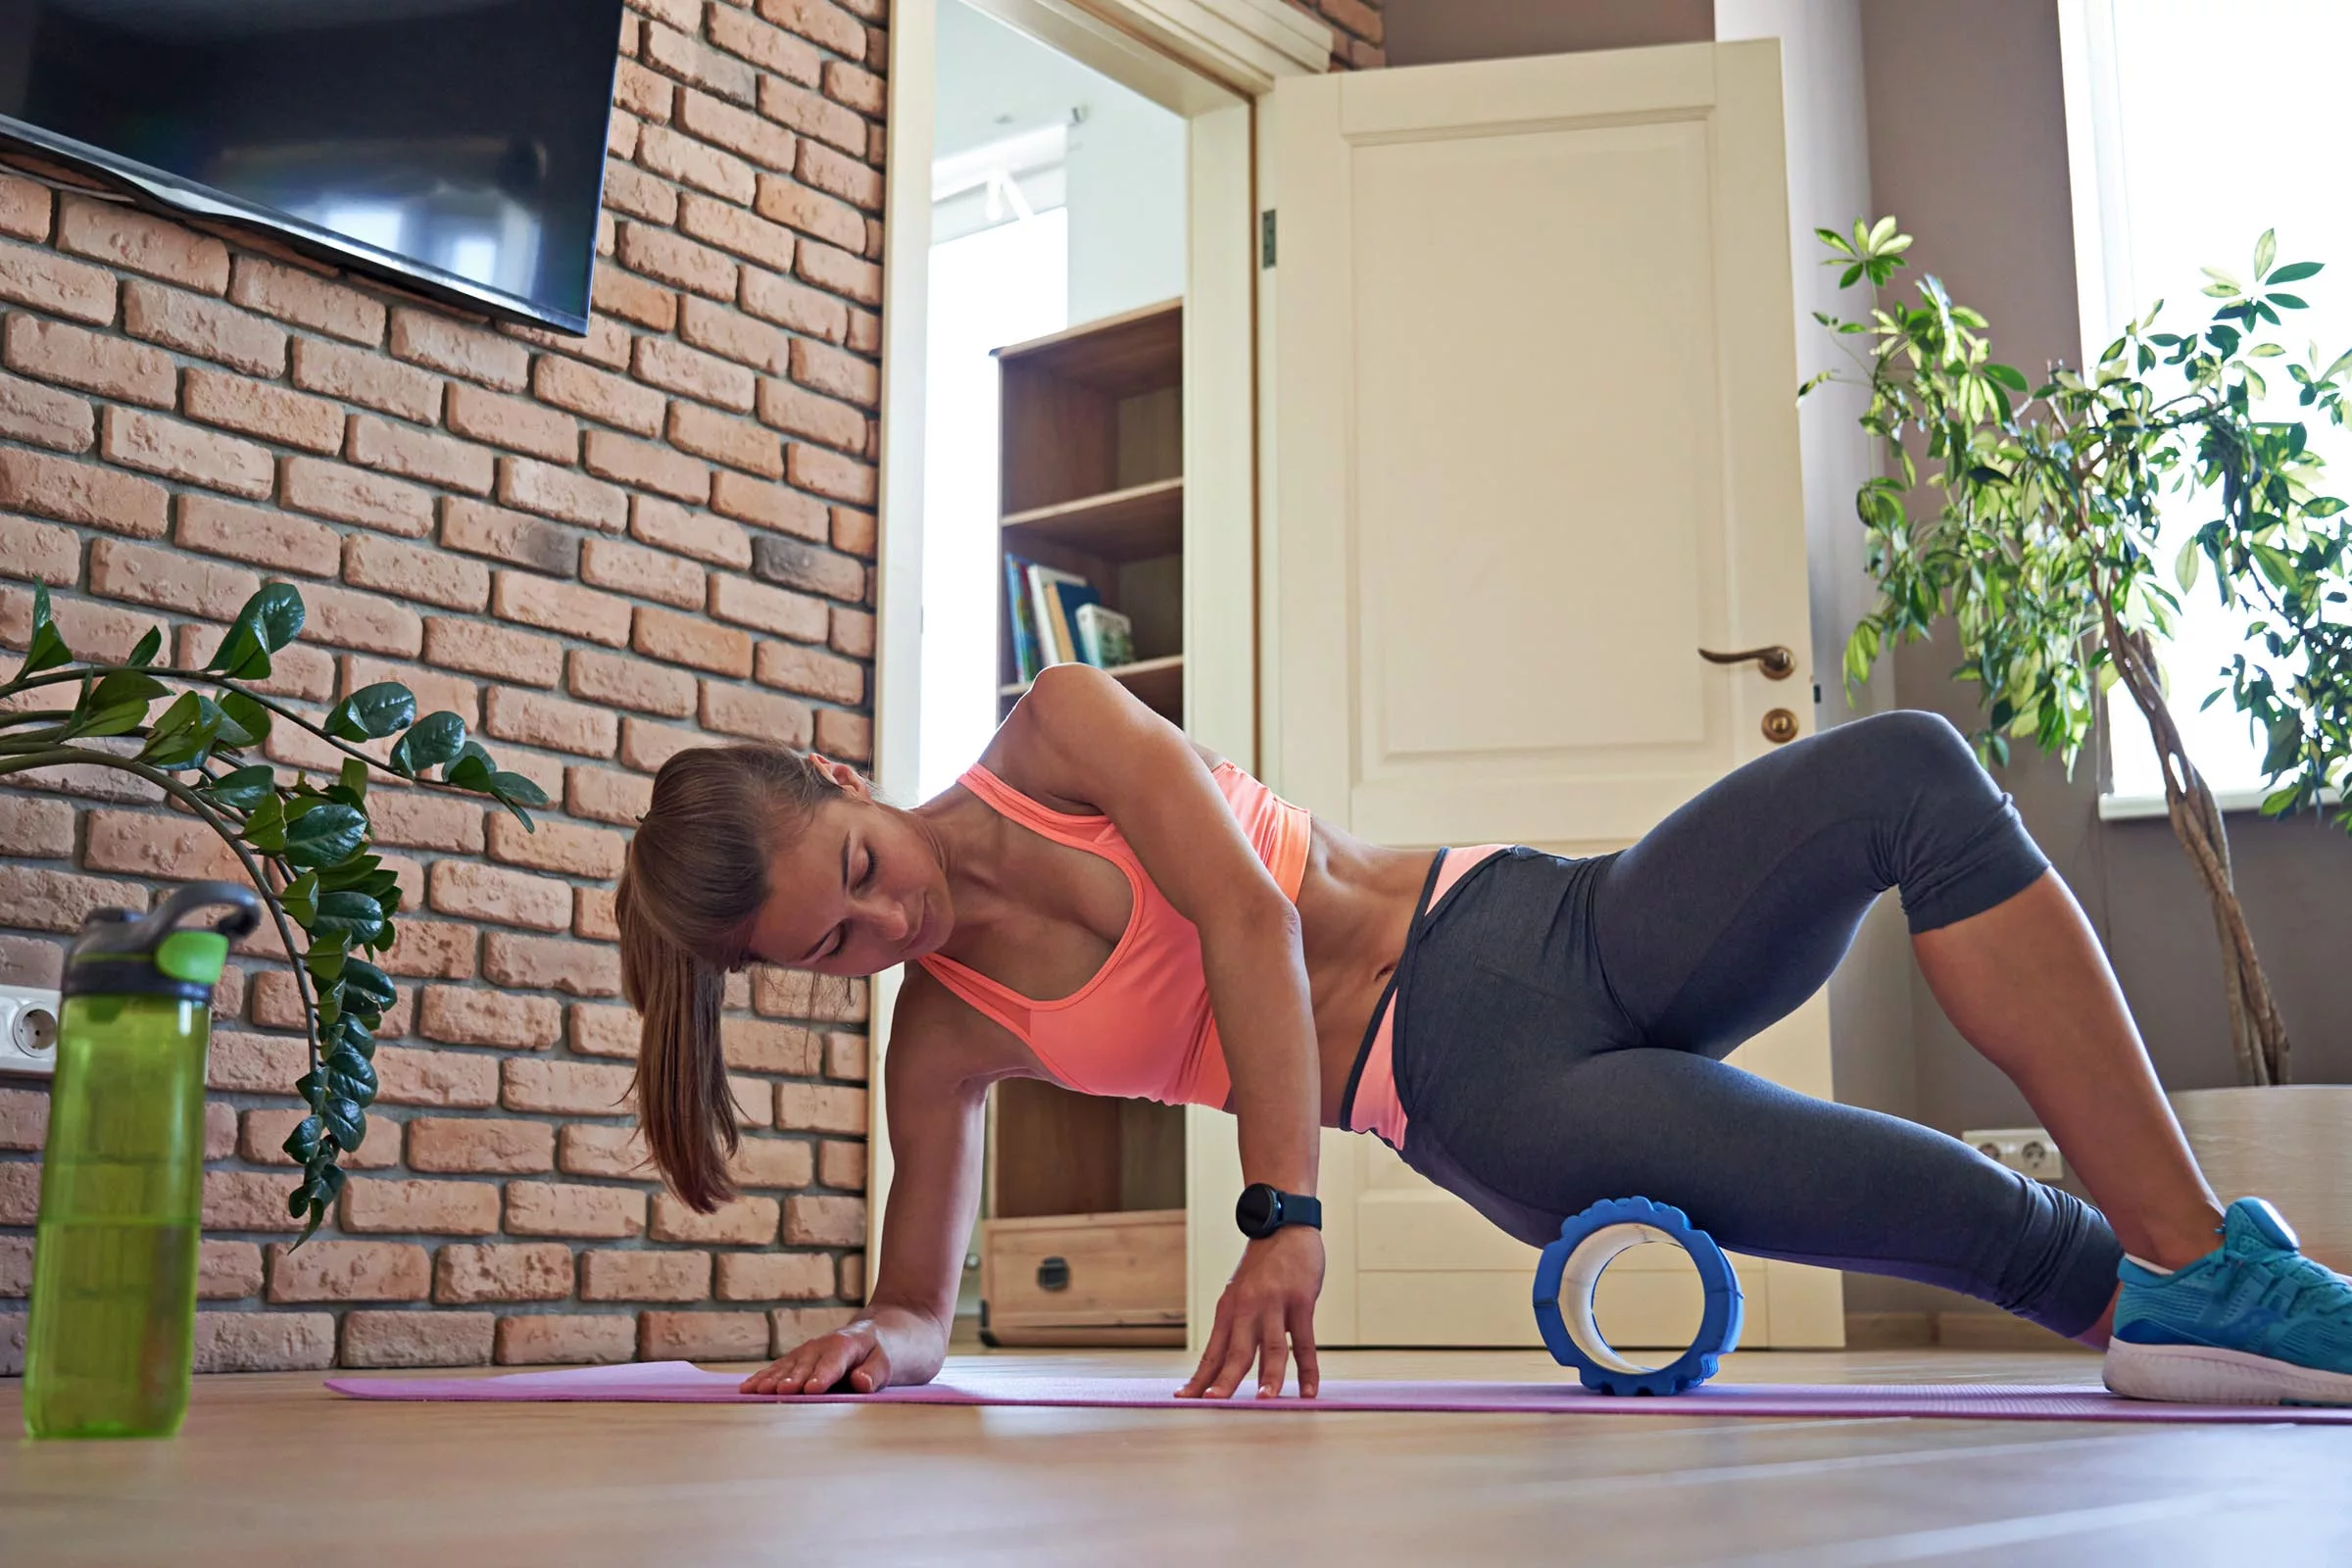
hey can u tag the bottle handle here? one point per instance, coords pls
(245, 908)
(120, 932)
(117, 951)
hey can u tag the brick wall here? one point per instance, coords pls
(1358, 39)
(598, 550)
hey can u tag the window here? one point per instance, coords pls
(2191, 127)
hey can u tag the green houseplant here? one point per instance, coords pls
(2042, 544)
(304, 847)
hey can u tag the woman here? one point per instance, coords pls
(1531, 1033)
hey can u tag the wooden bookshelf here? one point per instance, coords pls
(1138, 350)
(1157, 684)
(1092, 482)
(1131, 524)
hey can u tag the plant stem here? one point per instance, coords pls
(203, 808)
(2257, 1036)
(207, 677)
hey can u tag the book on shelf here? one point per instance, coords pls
(1028, 652)
(1106, 638)
(1055, 596)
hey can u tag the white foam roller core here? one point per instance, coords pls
(1581, 1277)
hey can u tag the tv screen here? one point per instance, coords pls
(457, 146)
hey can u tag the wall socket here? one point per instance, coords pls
(28, 1030)
(2027, 1151)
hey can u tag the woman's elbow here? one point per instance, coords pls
(1256, 924)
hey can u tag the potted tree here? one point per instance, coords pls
(2043, 548)
(304, 847)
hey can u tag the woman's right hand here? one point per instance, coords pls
(870, 1352)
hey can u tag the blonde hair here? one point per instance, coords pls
(693, 883)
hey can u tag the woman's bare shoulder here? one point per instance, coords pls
(1064, 698)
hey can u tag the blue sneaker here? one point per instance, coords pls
(2251, 1322)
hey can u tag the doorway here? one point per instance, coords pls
(1057, 200)
(1198, 314)
(1052, 472)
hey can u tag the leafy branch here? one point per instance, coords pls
(2044, 534)
(304, 847)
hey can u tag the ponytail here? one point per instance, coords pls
(683, 1102)
(691, 887)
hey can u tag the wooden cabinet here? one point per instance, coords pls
(1085, 1279)
(1087, 1193)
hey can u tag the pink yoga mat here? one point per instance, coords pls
(683, 1382)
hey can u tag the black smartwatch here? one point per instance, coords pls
(1263, 1211)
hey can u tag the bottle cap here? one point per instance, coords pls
(119, 953)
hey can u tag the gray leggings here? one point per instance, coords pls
(1561, 1026)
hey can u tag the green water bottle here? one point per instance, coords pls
(113, 1267)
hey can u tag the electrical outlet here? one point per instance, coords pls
(2027, 1151)
(28, 1030)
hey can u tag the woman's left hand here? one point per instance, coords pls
(1267, 1310)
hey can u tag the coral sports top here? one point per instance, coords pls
(1141, 1027)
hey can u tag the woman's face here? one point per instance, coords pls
(858, 892)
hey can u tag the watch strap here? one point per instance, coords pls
(1289, 1208)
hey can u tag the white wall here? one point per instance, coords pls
(1124, 174)
(1822, 103)
(994, 82)
(1125, 177)
(1829, 187)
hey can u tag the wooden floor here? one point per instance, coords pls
(272, 1469)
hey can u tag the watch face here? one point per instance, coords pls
(1257, 1212)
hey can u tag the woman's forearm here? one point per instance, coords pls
(937, 1138)
(1257, 988)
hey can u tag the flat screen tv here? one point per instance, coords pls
(456, 146)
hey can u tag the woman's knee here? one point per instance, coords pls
(1913, 748)
(1921, 775)
(1954, 843)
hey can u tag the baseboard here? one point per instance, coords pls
(1995, 1331)
(1135, 1337)
(1889, 1330)
(1949, 1331)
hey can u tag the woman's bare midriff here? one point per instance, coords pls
(1355, 905)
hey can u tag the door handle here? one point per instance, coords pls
(1777, 663)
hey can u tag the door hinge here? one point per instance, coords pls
(1265, 238)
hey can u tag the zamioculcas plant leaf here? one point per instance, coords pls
(303, 846)
(2043, 544)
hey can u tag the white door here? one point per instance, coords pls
(1528, 443)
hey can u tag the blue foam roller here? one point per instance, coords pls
(1587, 1242)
